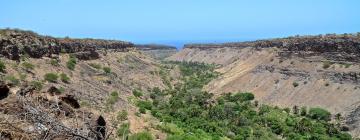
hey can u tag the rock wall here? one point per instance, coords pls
(344, 47)
(15, 43)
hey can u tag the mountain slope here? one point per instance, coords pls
(316, 71)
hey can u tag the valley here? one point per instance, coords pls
(64, 88)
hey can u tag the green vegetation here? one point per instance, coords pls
(143, 106)
(71, 63)
(51, 77)
(123, 131)
(122, 115)
(2, 66)
(22, 76)
(137, 93)
(54, 62)
(187, 112)
(295, 84)
(107, 70)
(12, 79)
(37, 84)
(111, 100)
(320, 114)
(347, 65)
(64, 78)
(327, 64)
(94, 65)
(141, 136)
(28, 66)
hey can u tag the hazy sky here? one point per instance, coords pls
(152, 21)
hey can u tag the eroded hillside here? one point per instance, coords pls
(313, 71)
(55, 88)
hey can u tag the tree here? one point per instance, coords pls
(320, 114)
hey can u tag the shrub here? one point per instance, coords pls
(113, 97)
(122, 115)
(295, 84)
(94, 65)
(347, 65)
(320, 114)
(61, 90)
(22, 76)
(51, 77)
(326, 64)
(141, 136)
(71, 63)
(327, 84)
(64, 78)
(37, 84)
(2, 66)
(171, 128)
(137, 93)
(28, 66)
(54, 62)
(142, 110)
(303, 111)
(12, 79)
(144, 104)
(247, 96)
(107, 70)
(123, 131)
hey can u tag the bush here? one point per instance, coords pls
(144, 104)
(320, 114)
(141, 136)
(113, 97)
(37, 84)
(326, 64)
(247, 96)
(142, 110)
(94, 65)
(64, 78)
(123, 131)
(71, 63)
(107, 70)
(295, 84)
(303, 111)
(2, 66)
(54, 62)
(51, 77)
(28, 66)
(137, 93)
(122, 115)
(12, 79)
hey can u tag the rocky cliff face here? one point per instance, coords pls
(16, 43)
(345, 47)
(313, 71)
(157, 51)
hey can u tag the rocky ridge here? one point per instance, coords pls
(16, 43)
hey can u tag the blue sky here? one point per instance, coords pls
(170, 21)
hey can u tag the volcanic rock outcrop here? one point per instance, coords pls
(15, 43)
